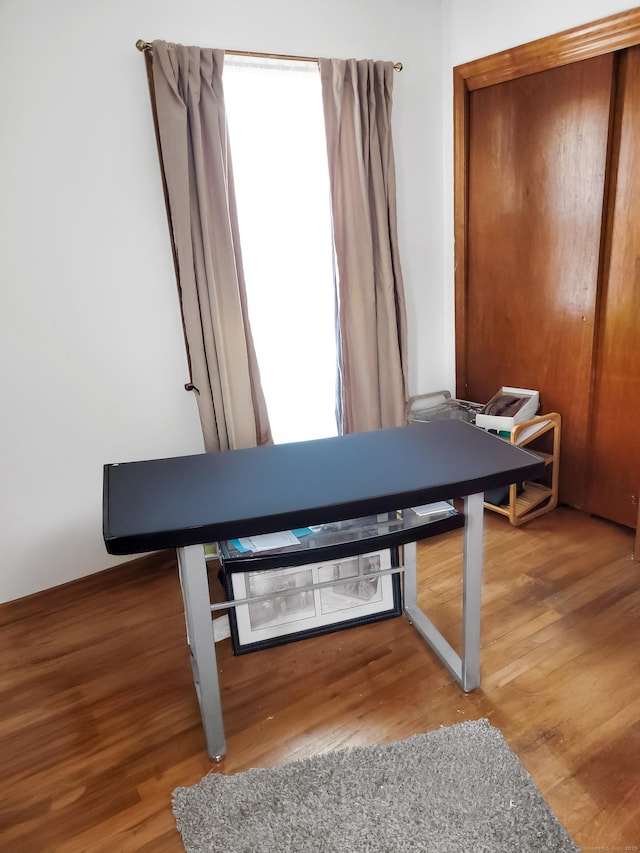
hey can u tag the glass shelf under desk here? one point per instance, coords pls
(340, 539)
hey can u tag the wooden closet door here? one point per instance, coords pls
(614, 459)
(537, 165)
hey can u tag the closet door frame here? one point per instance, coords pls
(605, 35)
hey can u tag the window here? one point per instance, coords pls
(278, 145)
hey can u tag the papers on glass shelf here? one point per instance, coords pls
(437, 508)
(268, 541)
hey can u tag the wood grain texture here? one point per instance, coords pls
(537, 164)
(605, 35)
(614, 449)
(609, 35)
(99, 720)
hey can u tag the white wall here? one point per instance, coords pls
(92, 365)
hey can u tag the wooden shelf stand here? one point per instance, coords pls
(532, 499)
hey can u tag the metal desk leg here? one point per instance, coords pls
(465, 668)
(197, 608)
(472, 590)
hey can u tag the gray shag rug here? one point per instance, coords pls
(453, 789)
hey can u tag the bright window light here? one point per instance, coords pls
(278, 145)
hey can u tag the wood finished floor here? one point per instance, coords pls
(99, 720)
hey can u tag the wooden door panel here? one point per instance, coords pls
(537, 165)
(614, 474)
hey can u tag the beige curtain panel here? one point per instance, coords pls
(357, 97)
(196, 162)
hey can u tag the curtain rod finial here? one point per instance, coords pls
(142, 45)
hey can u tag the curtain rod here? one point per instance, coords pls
(143, 45)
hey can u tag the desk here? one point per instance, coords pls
(186, 502)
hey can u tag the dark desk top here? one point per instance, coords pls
(187, 500)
